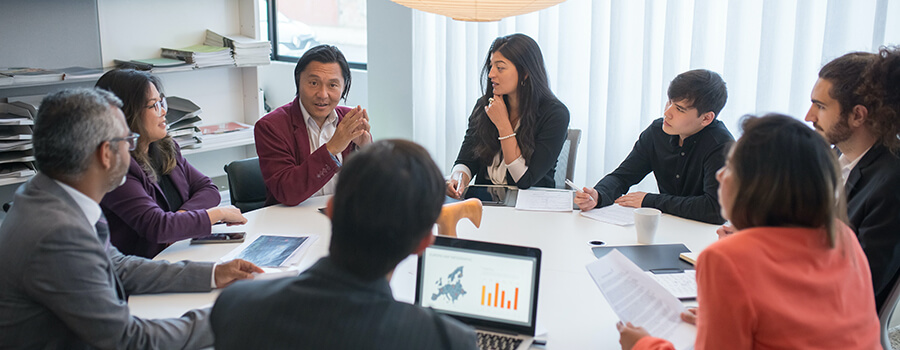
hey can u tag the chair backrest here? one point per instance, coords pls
(245, 184)
(887, 310)
(566, 158)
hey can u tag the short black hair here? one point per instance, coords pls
(704, 89)
(323, 54)
(388, 196)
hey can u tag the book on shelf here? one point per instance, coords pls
(191, 130)
(201, 56)
(17, 113)
(223, 128)
(155, 65)
(246, 51)
(5, 80)
(16, 170)
(24, 75)
(77, 72)
(15, 132)
(188, 141)
(19, 145)
(16, 156)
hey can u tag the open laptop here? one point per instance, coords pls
(492, 287)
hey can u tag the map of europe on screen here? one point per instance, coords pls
(452, 289)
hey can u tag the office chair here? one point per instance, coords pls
(245, 184)
(887, 310)
(566, 158)
(451, 214)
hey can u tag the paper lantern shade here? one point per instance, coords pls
(478, 10)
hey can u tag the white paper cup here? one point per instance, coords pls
(645, 222)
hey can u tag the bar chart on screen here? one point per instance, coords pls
(502, 302)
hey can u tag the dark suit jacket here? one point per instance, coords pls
(873, 205)
(140, 220)
(550, 132)
(61, 284)
(290, 172)
(326, 307)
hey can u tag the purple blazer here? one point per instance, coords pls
(290, 172)
(140, 220)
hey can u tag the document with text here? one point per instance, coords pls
(545, 200)
(636, 298)
(612, 214)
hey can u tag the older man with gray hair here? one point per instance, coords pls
(62, 284)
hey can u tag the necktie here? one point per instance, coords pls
(103, 233)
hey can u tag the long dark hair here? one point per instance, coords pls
(787, 176)
(533, 88)
(131, 86)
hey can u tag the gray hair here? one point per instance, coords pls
(69, 126)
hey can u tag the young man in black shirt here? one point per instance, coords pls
(684, 149)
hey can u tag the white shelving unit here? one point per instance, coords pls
(132, 29)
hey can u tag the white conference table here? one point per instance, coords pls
(571, 310)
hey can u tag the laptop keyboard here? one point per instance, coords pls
(493, 341)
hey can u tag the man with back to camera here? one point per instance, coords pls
(856, 107)
(301, 145)
(382, 211)
(62, 284)
(684, 149)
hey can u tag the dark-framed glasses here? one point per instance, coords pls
(131, 139)
(159, 106)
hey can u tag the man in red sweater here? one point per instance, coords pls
(302, 144)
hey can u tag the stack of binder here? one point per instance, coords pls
(182, 120)
(24, 75)
(16, 154)
(247, 51)
(201, 56)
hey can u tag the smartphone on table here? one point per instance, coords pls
(224, 237)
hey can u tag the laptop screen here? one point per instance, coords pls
(483, 284)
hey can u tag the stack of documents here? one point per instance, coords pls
(182, 120)
(16, 155)
(247, 51)
(155, 65)
(201, 56)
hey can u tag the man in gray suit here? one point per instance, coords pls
(384, 207)
(62, 284)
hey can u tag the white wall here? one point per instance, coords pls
(390, 69)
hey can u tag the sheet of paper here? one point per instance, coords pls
(613, 214)
(682, 285)
(636, 298)
(544, 200)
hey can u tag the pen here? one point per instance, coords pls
(458, 177)
(572, 185)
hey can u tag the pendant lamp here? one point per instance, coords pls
(478, 10)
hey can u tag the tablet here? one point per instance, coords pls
(492, 194)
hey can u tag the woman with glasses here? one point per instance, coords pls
(163, 199)
(794, 275)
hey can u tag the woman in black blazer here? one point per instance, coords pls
(517, 128)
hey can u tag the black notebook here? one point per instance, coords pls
(651, 257)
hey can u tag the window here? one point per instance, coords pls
(294, 26)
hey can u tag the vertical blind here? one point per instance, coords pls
(610, 62)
